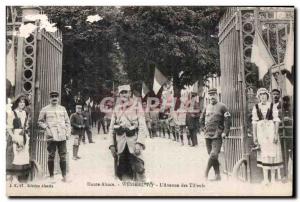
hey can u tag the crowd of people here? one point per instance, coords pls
(128, 123)
(174, 122)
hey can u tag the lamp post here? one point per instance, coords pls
(29, 10)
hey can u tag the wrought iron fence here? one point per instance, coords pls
(239, 80)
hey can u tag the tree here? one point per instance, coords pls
(174, 39)
(129, 42)
(90, 56)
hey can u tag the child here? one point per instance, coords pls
(77, 124)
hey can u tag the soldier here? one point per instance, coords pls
(172, 118)
(55, 120)
(101, 120)
(87, 120)
(180, 122)
(77, 123)
(108, 113)
(285, 114)
(192, 119)
(147, 118)
(164, 123)
(215, 122)
(127, 133)
(154, 112)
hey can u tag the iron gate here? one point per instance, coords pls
(239, 79)
(38, 71)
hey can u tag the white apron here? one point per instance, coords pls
(21, 156)
(269, 155)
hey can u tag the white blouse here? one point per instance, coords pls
(264, 109)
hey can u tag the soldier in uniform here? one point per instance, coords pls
(154, 112)
(164, 123)
(215, 122)
(55, 120)
(285, 126)
(147, 118)
(77, 123)
(87, 120)
(127, 134)
(192, 119)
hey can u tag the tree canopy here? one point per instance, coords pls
(128, 42)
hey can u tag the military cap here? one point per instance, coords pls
(212, 91)
(276, 90)
(54, 93)
(124, 88)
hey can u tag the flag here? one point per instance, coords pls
(260, 55)
(88, 101)
(289, 88)
(159, 80)
(195, 87)
(10, 66)
(180, 74)
(145, 90)
(289, 53)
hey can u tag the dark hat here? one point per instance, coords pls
(18, 99)
(54, 93)
(276, 90)
(212, 91)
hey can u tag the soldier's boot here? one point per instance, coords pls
(216, 166)
(208, 167)
(177, 137)
(74, 152)
(51, 171)
(77, 150)
(63, 168)
(189, 139)
(174, 136)
(181, 139)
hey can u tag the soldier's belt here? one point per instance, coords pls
(129, 133)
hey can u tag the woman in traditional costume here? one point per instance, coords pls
(265, 123)
(17, 151)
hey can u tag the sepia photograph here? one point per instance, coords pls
(150, 101)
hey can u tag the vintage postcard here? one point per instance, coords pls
(150, 101)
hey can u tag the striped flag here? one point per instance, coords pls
(289, 53)
(159, 80)
(87, 102)
(10, 65)
(261, 55)
(145, 90)
(195, 87)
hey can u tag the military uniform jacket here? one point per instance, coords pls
(57, 120)
(133, 115)
(154, 115)
(77, 122)
(192, 116)
(215, 120)
(87, 119)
